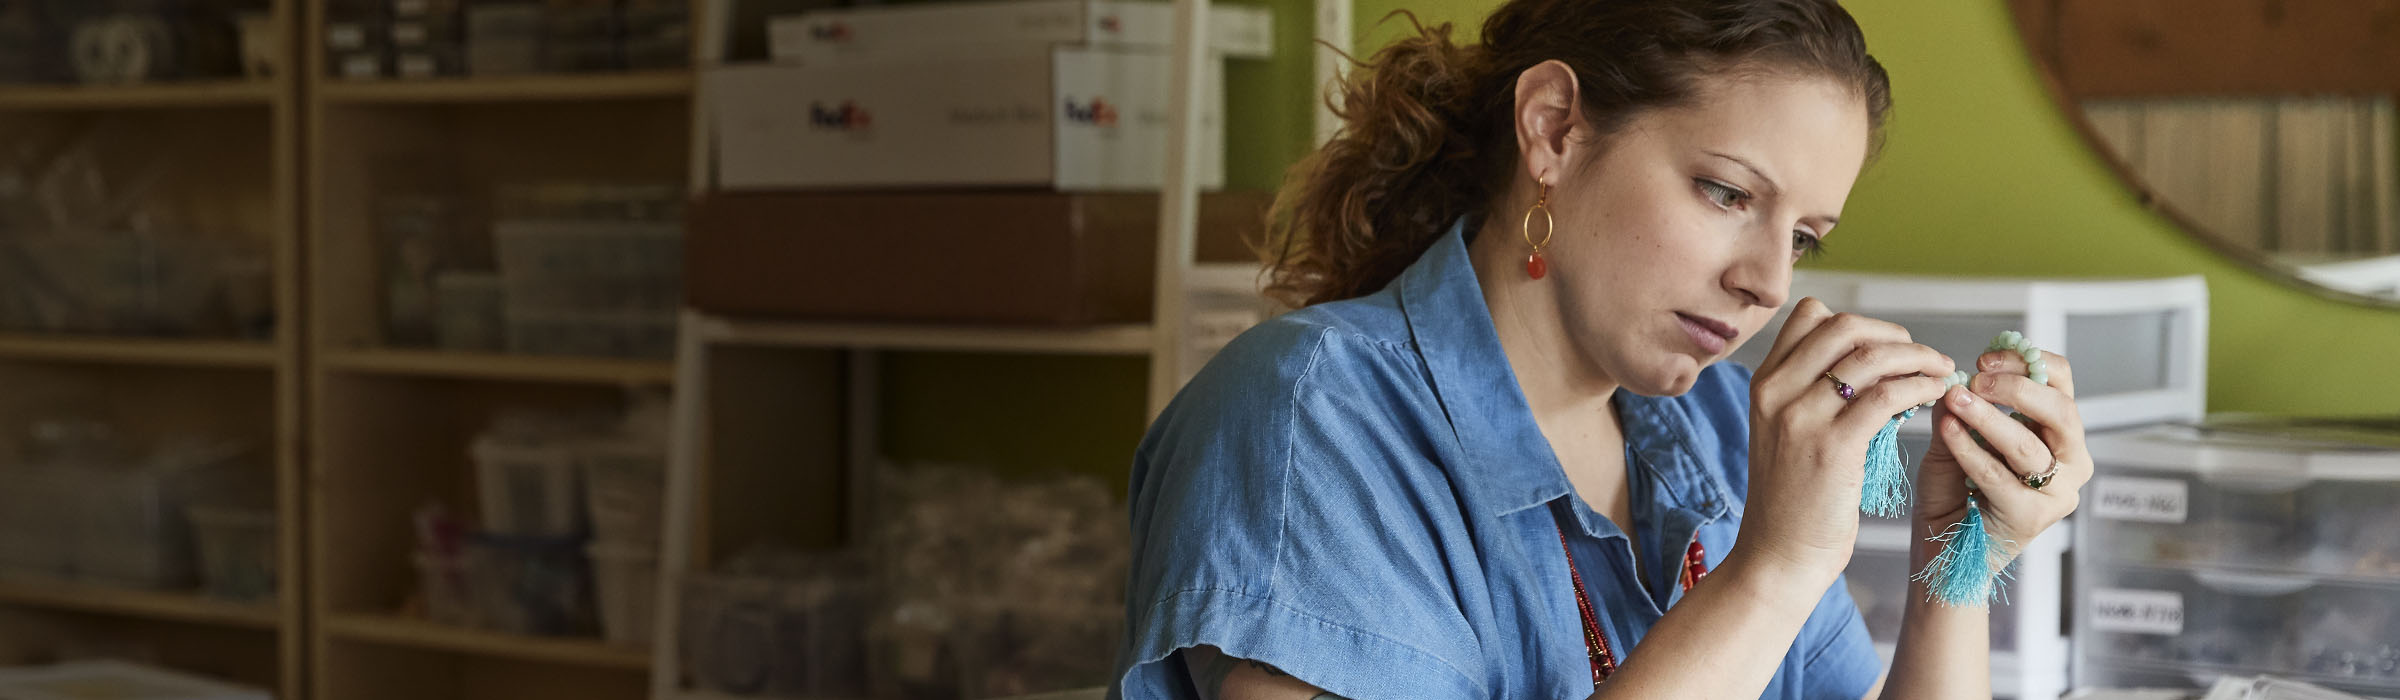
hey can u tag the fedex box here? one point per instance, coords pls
(1069, 118)
(960, 29)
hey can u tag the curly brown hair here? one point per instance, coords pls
(1426, 135)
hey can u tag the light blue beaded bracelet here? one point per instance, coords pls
(1961, 574)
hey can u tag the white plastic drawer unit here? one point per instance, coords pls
(2139, 347)
(2211, 552)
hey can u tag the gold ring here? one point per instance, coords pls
(2037, 481)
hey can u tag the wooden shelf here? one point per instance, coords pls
(614, 86)
(178, 607)
(130, 350)
(410, 632)
(211, 93)
(1130, 339)
(500, 366)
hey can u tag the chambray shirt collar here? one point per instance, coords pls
(1509, 464)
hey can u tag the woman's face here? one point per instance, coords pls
(1677, 235)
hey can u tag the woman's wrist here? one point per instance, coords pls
(1770, 575)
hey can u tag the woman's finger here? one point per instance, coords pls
(1888, 398)
(2023, 451)
(1828, 343)
(1806, 314)
(1873, 363)
(2009, 362)
(2054, 415)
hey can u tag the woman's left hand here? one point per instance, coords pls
(2013, 511)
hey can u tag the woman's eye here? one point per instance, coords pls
(1807, 244)
(1722, 194)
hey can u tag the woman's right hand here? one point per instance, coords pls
(1808, 445)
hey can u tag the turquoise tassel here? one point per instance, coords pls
(1886, 492)
(1961, 574)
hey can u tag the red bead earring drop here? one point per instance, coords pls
(1535, 266)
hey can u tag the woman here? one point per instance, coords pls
(1495, 459)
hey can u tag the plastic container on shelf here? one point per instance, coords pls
(238, 551)
(591, 265)
(469, 311)
(537, 586)
(445, 584)
(2242, 547)
(625, 580)
(2241, 500)
(528, 486)
(643, 335)
(124, 283)
(2139, 346)
(1008, 650)
(128, 525)
(781, 637)
(624, 489)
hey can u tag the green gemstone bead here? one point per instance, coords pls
(2030, 353)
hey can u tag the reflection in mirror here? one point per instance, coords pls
(2267, 124)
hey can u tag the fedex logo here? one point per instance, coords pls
(846, 117)
(831, 31)
(1098, 113)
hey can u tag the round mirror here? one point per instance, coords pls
(2266, 127)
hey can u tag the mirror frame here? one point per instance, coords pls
(2258, 262)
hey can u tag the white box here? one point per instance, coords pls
(2139, 347)
(976, 28)
(1077, 119)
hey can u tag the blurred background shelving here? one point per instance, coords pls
(149, 277)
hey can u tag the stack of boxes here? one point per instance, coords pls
(368, 39)
(1015, 146)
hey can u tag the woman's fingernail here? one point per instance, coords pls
(1991, 363)
(1963, 398)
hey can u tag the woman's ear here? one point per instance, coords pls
(1548, 110)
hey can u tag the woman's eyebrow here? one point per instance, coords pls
(1754, 170)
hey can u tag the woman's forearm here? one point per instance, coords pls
(1943, 651)
(1726, 637)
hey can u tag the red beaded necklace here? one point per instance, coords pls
(1595, 642)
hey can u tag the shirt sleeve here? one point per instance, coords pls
(1285, 513)
(1841, 662)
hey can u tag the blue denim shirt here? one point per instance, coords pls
(1357, 494)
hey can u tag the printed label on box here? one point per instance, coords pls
(2141, 500)
(406, 8)
(2137, 611)
(409, 33)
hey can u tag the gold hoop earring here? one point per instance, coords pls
(1535, 265)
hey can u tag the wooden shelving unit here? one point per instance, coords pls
(230, 173)
(178, 607)
(394, 421)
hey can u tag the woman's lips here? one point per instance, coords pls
(1710, 334)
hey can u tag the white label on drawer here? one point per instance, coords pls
(2137, 612)
(2141, 500)
(406, 8)
(409, 33)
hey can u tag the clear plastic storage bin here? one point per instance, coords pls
(2240, 550)
(795, 638)
(625, 579)
(238, 552)
(2139, 347)
(624, 488)
(528, 488)
(531, 585)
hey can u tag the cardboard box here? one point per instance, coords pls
(962, 29)
(1072, 119)
(1040, 258)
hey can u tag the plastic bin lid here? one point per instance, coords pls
(2244, 452)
